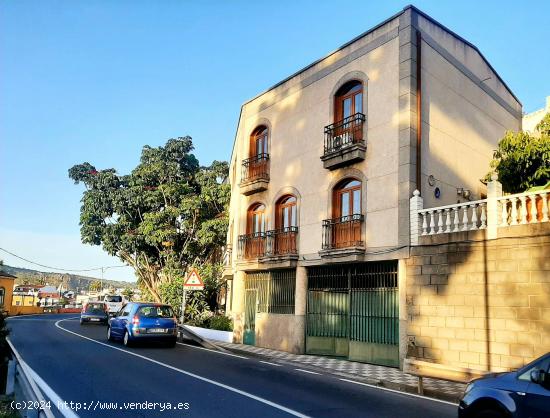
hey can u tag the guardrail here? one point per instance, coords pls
(23, 386)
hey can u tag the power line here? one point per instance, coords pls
(57, 268)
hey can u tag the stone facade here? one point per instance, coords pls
(480, 304)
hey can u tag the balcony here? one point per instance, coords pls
(344, 142)
(255, 174)
(273, 247)
(252, 246)
(281, 245)
(343, 236)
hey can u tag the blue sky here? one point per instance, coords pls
(96, 80)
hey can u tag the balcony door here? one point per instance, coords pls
(346, 204)
(255, 230)
(258, 152)
(286, 224)
(348, 102)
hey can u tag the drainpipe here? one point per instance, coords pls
(418, 112)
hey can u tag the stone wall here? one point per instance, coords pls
(477, 303)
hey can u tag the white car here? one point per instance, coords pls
(113, 302)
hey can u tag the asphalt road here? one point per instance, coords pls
(80, 365)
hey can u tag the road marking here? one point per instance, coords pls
(307, 371)
(214, 351)
(398, 391)
(196, 376)
(273, 364)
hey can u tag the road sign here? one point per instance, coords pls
(193, 281)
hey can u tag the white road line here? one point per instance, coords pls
(204, 379)
(307, 371)
(214, 351)
(398, 391)
(272, 364)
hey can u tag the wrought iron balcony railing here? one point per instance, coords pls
(282, 241)
(342, 232)
(344, 133)
(255, 168)
(252, 245)
(271, 243)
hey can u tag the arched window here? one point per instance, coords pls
(345, 227)
(256, 219)
(347, 198)
(2, 295)
(286, 224)
(286, 212)
(258, 142)
(348, 100)
(254, 240)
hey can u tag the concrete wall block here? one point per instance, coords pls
(456, 322)
(477, 346)
(500, 348)
(439, 259)
(533, 339)
(465, 333)
(469, 357)
(511, 362)
(522, 350)
(440, 343)
(439, 279)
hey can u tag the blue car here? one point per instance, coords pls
(145, 322)
(524, 393)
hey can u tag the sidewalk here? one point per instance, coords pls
(388, 377)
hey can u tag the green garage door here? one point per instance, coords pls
(353, 312)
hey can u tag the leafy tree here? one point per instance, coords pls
(95, 286)
(167, 214)
(128, 293)
(522, 160)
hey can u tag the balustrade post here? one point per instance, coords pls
(473, 227)
(456, 220)
(544, 197)
(494, 191)
(440, 221)
(514, 215)
(424, 223)
(465, 219)
(416, 204)
(432, 222)
(483, 216)
(447, 220)
(523, 200)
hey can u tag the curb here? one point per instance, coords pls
(401, 387)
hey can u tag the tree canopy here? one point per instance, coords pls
(522, 160)
(167, 214)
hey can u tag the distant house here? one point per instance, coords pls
(6, 290)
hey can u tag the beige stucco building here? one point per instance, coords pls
(531, 120)
(323, 167)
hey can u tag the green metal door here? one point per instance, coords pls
(249, 332)
(353, 312)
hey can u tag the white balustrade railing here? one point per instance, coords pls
(524, 208)
(491, 213)
(468, 216)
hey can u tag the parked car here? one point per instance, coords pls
(151, 322)
(94, 312)
(114, 302)
(523, 393)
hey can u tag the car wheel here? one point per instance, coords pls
(81, 322)
(172, 344)
(109, 336)
(126, 340)
(488, 413)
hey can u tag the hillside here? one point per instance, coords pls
(70, 281)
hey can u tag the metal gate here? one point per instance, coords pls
(249, 332)
(353, 312)
(269, 292)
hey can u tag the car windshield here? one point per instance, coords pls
(156, 312)
(94, 308)
(113, 299)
